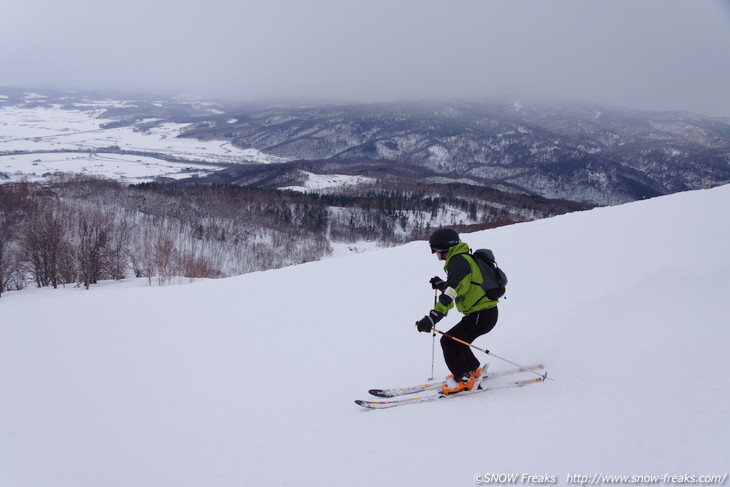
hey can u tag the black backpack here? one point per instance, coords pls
(495, 280)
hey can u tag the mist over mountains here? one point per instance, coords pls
(576, 151)
(581, 152)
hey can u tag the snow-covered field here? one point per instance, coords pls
(122, 167)
(54, 138)
(251, 380)
(317, 182)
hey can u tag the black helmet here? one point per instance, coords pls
(443, 239)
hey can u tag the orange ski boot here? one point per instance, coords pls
(469, 381)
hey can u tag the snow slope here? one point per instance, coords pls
(216, 383)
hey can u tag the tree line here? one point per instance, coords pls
(76, 230)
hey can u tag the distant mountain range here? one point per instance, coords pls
(557, 150)
(575, 151)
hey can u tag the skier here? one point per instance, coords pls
(480, 312)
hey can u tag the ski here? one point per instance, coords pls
(402, 391)
(436, 397)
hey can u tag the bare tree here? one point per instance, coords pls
(117, 255)
(45, 245)
(8, 223)
(93, 230)
(163, 258)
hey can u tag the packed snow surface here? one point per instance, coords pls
(251, 380)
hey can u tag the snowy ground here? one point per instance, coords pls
(342, 249)
(318, 182)
(251, 380)
(122, 167)
(77, 141)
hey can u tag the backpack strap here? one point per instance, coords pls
(478, 284)
(486, 294)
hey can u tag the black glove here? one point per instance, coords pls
(437, 283)
(429, 321)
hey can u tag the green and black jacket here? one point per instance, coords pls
(463, 284)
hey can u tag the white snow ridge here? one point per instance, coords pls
(251, 380)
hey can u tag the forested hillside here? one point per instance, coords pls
(81, 230)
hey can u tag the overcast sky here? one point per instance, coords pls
(654, 54)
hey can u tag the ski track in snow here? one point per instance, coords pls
(251, 380)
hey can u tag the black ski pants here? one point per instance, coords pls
(459, 357)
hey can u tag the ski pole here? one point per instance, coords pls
(544, 376)
(433, 341)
